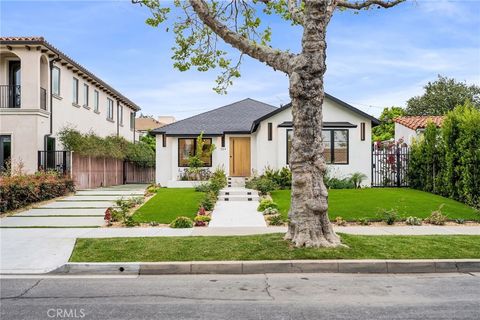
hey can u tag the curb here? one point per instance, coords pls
(276, 266)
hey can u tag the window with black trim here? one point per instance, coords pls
(270, 131)
(186, 149)
(362, 131)
(336, 145)
(56, 81)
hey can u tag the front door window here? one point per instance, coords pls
(5, 152)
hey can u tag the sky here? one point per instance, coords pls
(375, 59)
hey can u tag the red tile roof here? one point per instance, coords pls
(419, 122)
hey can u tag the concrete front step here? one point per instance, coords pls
(236, 182)
(239, 198)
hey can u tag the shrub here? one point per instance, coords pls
(208, 201)
(339, 221)
(181, 223)
(363, 221)
(129, 222)
(266, 203)
(20, 190)
(202, 218)
(275, 220)
(389, 216)
(203, 187)
(282, 178)
(413, 221)
(336, 183)
(263, 184)
(437, 217)
(153, 188)
(357, 178)
(270, 211)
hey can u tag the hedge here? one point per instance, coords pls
(89, 144)
(21, 190)
(446, 161)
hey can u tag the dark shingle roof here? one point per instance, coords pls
(233, 118)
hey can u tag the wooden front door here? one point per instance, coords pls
(240, 157)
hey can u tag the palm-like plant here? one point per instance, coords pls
(357, 178)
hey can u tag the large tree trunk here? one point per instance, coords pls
(309, 225)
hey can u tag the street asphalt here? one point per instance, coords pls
(262, 296)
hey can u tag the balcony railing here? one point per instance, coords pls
(10, 96)
(43, 99)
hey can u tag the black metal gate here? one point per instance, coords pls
(54, 161)
(390, 164)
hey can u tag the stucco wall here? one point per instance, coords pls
(273, 153)
(405, 133)
(29, 124)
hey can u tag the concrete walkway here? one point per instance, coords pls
(84, 209)
(237, 207)
(28, 247)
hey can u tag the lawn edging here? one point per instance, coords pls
(273, 266)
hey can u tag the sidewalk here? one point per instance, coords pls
(40, 250)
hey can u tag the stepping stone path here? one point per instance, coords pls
(84, 209)
(237, 207)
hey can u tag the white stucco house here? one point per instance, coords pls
(42, 90)
(409, 128)
(250, 135)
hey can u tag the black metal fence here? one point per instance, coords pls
(10, 96)
(43, 98)
(390, 164)
(54, 161)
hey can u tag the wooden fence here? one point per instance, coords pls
(93, 172)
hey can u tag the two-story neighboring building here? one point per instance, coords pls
(42, 91)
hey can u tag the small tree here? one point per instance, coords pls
(202, 151)
(386, 129)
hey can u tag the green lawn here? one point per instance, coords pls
(168, 204)
(353, 204)
(272, 247)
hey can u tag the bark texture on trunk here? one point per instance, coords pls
(309, 224)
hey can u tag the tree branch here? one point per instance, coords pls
(295, 12)
(358, 5)
(276, 59)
